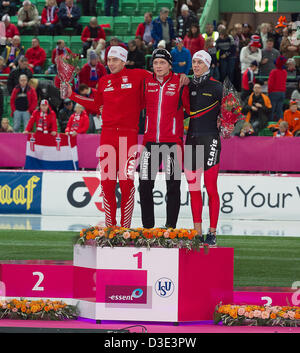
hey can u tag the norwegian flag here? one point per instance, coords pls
(47, 152)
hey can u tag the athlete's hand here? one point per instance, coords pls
(69, 90)
(184, 80)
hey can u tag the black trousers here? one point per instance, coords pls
(153, 155)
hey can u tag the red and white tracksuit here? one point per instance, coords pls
(163, 137)
(121, 96)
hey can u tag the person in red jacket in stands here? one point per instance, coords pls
(60, 49)
(36, 56)
(144, 31)
(3, 69)
(44, 119)
(11, 30)
(92, 32)
(92, 71)
(194, 40)
(49, 19)
(78, 122)
(277, 88)
(23, 101)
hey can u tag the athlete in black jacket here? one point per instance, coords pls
(205, 102)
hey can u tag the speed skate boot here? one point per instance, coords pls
(211, 239)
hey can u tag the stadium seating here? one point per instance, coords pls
(84, 20)
(107, 20)
(76, 44)
(122, 25)
(135, 21)
(146, 6)
(128, 7)
(40, 4)
(65, 38)
(46, 42)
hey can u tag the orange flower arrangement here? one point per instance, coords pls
(141, 237)
(257, 315)
(37, 309)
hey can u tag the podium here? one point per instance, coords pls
(156, 284)
(37, 279)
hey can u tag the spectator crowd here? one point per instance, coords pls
(263, 64)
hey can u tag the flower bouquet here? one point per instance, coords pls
(230, 109)
(140, 237)
(37, 310)
(66, 65)
(254, 315)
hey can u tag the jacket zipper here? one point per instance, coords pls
(174, 126)
(146, 124)
(159, 111)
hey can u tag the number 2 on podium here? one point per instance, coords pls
(139, 256)
(39, 281)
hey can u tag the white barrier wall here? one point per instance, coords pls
(242, 196)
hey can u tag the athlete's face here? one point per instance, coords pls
(161, 67)
(199, 67)
(114, 64)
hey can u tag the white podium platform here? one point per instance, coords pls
(156, 284)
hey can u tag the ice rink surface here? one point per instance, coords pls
(225, 227)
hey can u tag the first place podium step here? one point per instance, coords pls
(156, 284)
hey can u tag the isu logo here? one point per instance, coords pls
(164, 287)
(81, 193)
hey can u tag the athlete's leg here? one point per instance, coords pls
(127, 166)
(146, 184)
(173, 168)
(210, 181)
(108, 176)
(194, 184)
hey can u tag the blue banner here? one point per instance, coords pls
(20, 192)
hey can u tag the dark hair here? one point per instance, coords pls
(132, 42)
(190, 33)
(82, 87)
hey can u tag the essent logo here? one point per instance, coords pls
(136, 293)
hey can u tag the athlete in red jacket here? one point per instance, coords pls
(120, 94)
(163, 137)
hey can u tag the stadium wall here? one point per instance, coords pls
(78, 194)
(250, 154)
